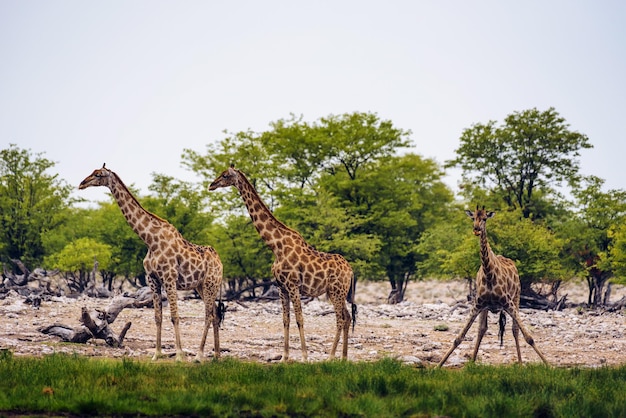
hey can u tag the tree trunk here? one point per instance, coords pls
(397, 289)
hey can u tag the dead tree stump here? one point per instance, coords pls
(95, 324)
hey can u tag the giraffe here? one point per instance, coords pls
(298, 268)
(171, 262)
(498, 289)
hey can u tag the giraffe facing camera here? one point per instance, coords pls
(498, 289)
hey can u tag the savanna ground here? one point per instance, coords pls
(408, 331)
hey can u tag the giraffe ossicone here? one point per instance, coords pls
(171, 262)
(498, 289)
(298, 268)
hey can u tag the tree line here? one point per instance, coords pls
(349, 184)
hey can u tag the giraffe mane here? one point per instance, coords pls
(119, 181)
(243, 178)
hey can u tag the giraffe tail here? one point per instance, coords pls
(502, 324)
(220, 310)
(351, 294)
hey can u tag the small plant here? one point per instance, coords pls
(442, 327)
(5, 355)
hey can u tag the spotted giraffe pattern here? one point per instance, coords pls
(172, 262)
(498, 289)
(299, 269)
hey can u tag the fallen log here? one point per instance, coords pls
(541, 302)
(616, 306)
(94, 324)
(68, 334)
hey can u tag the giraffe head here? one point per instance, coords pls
(99, 177)
(228, 178)
(479, 217)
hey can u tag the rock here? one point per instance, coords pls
(410, 360)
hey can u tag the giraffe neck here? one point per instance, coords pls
(137, 217)
(487, 257)
(271, 230)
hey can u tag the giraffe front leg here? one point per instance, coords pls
(482, 329)
(297, 308)
(158, 316)
(457, 341)
(205, 330)
(527, 336)
(284, 298)
(172, 299)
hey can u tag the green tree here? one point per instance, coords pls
(32, 202)
(590, 235)
(447, 249)
(78, 260)
(535, 249)
(617, 248)
(108, 226)
(287, 165)
(532, 151)
(396, 198)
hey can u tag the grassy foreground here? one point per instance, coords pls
(73, 385)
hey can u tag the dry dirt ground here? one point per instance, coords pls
(407, 331)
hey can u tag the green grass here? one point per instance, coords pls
(74, 385)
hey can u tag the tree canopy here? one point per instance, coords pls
(32, 201)
(349, 185)
(532, 150)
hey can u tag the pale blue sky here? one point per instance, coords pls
(133, 83)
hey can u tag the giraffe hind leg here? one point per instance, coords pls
(210, 315)
(346, 329)
(343, 327)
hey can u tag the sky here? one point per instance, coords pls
(134, 83)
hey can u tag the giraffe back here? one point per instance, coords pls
(318, 272)
(193, 263)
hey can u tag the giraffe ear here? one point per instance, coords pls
(469, 213)
(490, 214)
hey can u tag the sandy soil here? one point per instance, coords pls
(253, 331)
